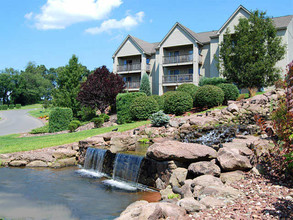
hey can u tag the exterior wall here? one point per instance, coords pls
(290, 41)
(129, 49)
(283, 63)
(205, 68)
(214, 50)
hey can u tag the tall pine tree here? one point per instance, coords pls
(145, 85)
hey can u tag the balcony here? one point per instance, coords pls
(129, 67)
(181, 78)
(185, 58)
(132, 85)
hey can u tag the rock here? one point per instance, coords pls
(65, 162)
(95, 141)
(221, 192)
(160, 184)
(178, 176)
(212, 202)
(186, 189)
(37, 163)
(232, 108)
(172, 211)
(203, 168)
(18, 163)
(178, 151)
(122, 143)
(259, 99)
(4, 157)
(190, 205)
(166, 192)
(234, 158)
(255, 171)
(200, 121)
(231, 177)
(64, 153)
(174, 123)
(207, 180)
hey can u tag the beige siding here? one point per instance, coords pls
(205, 68)
(129, 49)
(176, 38)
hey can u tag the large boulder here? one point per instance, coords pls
(207, 180)
(123, 143)
(64, 153)
(203, 168)
(183, 152)
(221, 192)
(178, 176)
(231, 177)
(212, 202)
(37, 163)
(232, 108)
(235, 158)
(18, 163)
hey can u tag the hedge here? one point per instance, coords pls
(160, 101)
(123, 103)
(211, 81)
(209, 96)
(18, 106)
(231, 91)
(188, 88)
(178, 103)
(59, 119)
(99, 121)
(143, 107)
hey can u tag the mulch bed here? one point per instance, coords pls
(266, 197)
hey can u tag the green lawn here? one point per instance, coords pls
(247, 94)
(32, 106)
(11, 143)
(40, 112)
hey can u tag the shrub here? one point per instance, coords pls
(160, 101)
(59, 119)
(188, 88)
(11, 106)
(46, 104)
(18, 106)
(231, 91)
(1, 107)
(167, 94)
(73, 125)
(86, 113)
(159, 119)
(240, 97)
(178, 103)
(279, 84)
(41, 130)
(142, 107)
(4, 107)
(209, 96)
(211, 81)
(123, 103)
(98, 122)
(105, 117)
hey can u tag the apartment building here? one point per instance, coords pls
(184, 56)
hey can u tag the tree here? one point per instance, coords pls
(100, 89)
(145, 85)
(7, 77)
(248, 57)
(68, 81)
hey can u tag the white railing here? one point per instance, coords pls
(132, 85)
(178, 59)
(181, 78)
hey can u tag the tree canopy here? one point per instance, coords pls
(100, 89)
(248, 57)
(68, 81)
(145, 85)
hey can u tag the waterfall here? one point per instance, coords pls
(94, 159)
(127, 167)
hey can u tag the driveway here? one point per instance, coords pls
(17, 121)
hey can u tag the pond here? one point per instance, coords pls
(61, 194)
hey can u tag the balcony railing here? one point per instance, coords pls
(129, 67)
(178, 59)
(132, 85)
(181, 78)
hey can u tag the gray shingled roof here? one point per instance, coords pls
(281, 22)
(147, 47)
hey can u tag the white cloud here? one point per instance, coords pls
(126, 23)
(59, 14)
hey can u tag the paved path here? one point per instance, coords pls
(17, 121)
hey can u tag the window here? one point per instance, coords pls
(199, 71)
(148, 60)
(176, 72)
(127, 79)
(173, 72)
(129, 62)
(190, 71)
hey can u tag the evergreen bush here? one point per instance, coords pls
(105, 117)
(73, 125)
(123, 103)
(145, 85)
(211, 81)
(159, 119)
(209, 96)
(160, 101)
(59, 119)
(142, 107)
(231, 91)
(11, 106)
(98, 122)
(5, 107)
(41, 130)
(188, 88)
(177, 103)
(86, 113)
(18, 106)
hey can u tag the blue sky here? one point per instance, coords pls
(49, 31)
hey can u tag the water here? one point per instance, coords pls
(60, 194)
(126, 172)
(93, 163)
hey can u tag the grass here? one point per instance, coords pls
(247, 94)
(26, 107)
(12, 143)
(40, 112)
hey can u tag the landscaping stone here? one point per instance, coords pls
(207, 180)
(178, 177)
(18, 163)
(231, 177)
(232, 108)
(191, 205)
(203, 168)
(178, 151)
(166, 192)
(212, 202)
(63, 153)
(221, 192)
(123, 143)
(37, 163)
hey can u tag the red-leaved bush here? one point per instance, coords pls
(100, 89)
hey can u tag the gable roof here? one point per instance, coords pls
(282, 22)
(145, 47)
(231, 17)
